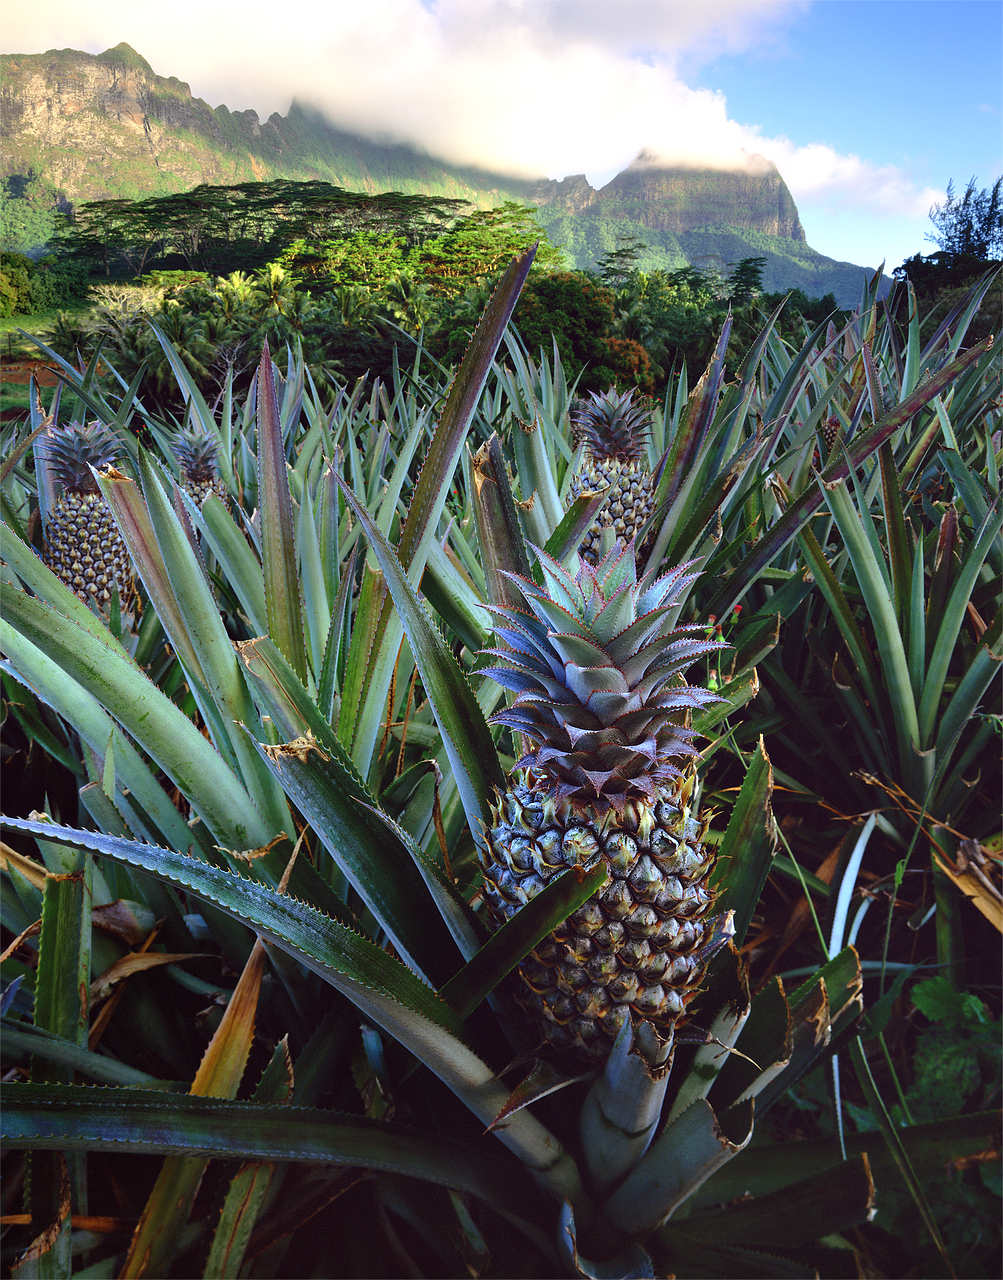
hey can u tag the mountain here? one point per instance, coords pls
(106, 126)
(678, 200)
(700, 217)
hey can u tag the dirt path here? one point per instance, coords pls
(20, 371)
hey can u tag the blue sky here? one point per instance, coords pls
(867, 107)
(917, 84)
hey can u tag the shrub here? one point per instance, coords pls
(28, 287)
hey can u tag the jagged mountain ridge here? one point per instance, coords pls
(106, 126)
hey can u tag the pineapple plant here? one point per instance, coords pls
(82, 544)
(520, 1202)
(600, 696)
(611, 428)
(196, 452)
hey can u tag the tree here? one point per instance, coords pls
(221, 228)
(746, 280)
(972, 224)
(479, 246)
(28, 214)
(615, 268)
(573, 310)
(111, 232)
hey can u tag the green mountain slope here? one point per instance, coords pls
(701, 217)
(790, 264)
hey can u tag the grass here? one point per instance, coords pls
(15, 348)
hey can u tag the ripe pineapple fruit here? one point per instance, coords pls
(196, 452)
(82, 544)
(601, 698)
(613, 428)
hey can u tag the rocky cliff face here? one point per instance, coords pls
(108, 127)
(752, 195)
(572, 195)
(95, 124)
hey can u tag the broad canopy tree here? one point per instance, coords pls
(217, 228)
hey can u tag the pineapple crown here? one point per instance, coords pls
(72, 452)
(598, 678)
(196, 452)
(612, 424)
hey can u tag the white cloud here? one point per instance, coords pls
(535, 86)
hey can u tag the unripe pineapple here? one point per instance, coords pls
(600, 695)
(613, 428)
(82, 544)
(196, 452)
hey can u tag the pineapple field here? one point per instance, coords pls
(462, 820)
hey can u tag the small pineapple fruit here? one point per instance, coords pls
(196, 453)
(82, 544)
(613, 428)
(601, 698)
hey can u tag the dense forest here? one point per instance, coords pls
(350, 275)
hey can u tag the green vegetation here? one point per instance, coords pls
(727, 215)
(969, 235)
(28, 214)
(28, 287)
(124, 55)
(341, 272)
(971, 224)
(242, 883)
(586, 238)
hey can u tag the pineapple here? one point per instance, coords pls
(613, 429)
(601, 699)
(196, 454)
(82, 544)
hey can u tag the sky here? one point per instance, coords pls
(867, 107)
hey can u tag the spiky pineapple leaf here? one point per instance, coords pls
(510, 944)
(376, 863)
(283, 600)
(336, 952)
(379, 984)
(500, 538)
(770, 1167)
(830, 1201)
(749, 843)
(240, 565)
(821, 1009)
(66, 696)
(378, 630)
(68, 1118)
(624, 1104)
(19, 1037)
(353, 819)
(155, 1241)
(684, 1155)
(64, 961)
(859, 450)
(159, 545)
(632, 1263)
(249, 1187)
(465, 733)
(145, 712)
